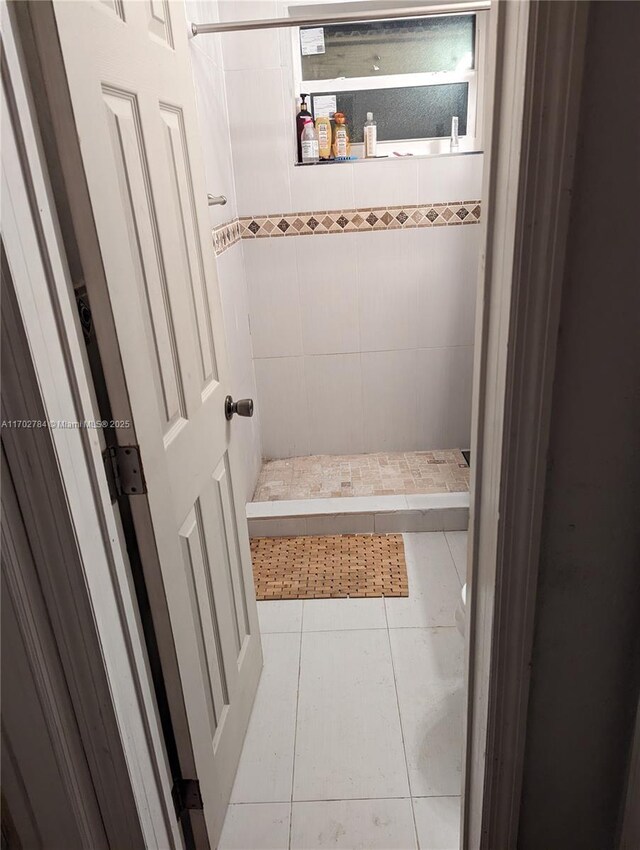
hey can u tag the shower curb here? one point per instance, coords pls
(359, 515)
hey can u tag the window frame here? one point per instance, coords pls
(470, 142)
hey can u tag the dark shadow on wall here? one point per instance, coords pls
(585, 665)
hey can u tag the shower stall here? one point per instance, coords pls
(348, 288)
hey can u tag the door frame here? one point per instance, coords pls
(532, 100)
(531, 128)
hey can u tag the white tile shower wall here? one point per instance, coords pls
(386, 182)
(322, 188)
(387, 290)
(444, 260)
(450, 178)
(385, 323)
(262, 105)
(260, 130)
(334, 393)
(362, 341)
(328, 294)
(209, 82)
(274, 299)
(254, 50)
(282, 398)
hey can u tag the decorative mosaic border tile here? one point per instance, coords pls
(226, 235)
(348, 221)
(369, 218)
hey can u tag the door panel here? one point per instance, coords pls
(230, 550)
(203, 604)
(186, 233)
(159, 27)
(130, 84)
(114, 6)
(132, 170)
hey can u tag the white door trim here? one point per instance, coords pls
(91, 602)
(531, 146)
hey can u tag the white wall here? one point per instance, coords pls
(209, 80)
(364, 341)
(361, 341)
(262, 107)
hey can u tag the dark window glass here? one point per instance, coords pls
(414, 112)
(418, 45)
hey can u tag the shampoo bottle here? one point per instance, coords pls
(370, 136)
(301, 117)
(341, 142)
(323, 128)
(309, 142)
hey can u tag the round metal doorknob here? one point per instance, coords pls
(243, 407)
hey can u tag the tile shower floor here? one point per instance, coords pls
(355, 736)
(379, 474)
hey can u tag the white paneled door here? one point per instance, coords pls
(130, 84)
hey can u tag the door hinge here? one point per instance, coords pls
(124, 471)
(186, 795)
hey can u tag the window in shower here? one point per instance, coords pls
(414, 74)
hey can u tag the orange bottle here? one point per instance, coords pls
(341, 146)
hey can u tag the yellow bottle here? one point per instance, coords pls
(341, 140)
(323, 126)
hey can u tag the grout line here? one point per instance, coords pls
(368, 351)
(419, 628)
(404, 747)
(361, 628)
(455, 565)
(295, 728)
(347, 800)
(436, 796)
(342, 800)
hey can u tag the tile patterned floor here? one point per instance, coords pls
(380, 474)
(355, 737)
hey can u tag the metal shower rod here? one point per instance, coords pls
(350, 17)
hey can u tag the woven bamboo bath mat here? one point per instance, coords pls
(340, 565)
